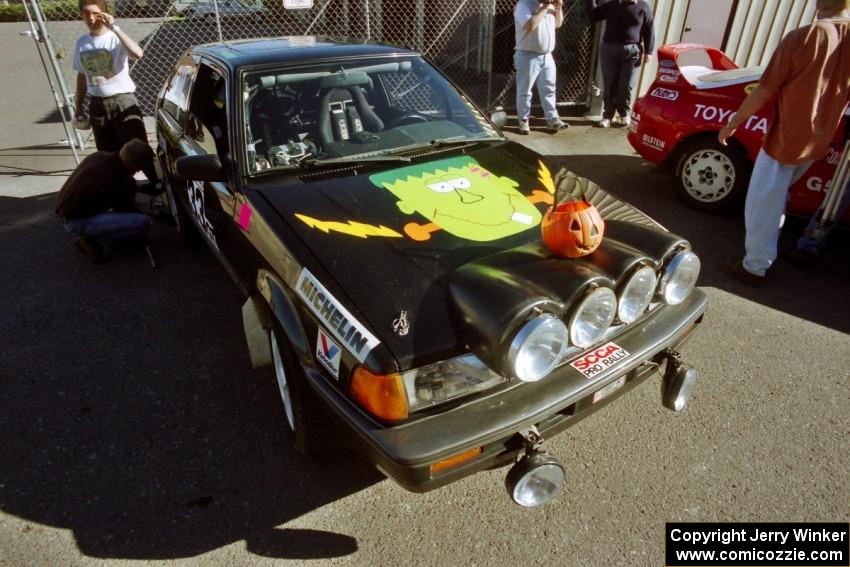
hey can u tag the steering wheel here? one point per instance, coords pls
(407, 118)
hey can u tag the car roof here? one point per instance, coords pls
(240, 53)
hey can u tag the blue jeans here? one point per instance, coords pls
(535, 68)
(814, 244)
(107, 228)
(764, 211)
(620, 64)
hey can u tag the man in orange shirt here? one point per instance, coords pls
(808, 78)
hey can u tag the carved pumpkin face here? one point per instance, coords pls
(572, 229)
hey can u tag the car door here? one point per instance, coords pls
(193, 120)
(209, 131)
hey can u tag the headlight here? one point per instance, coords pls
(447, 380)
(593, 317)
(537, 348)
(535, 480)
(680, 277)
(637, 294)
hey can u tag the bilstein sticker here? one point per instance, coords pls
(653, 142)
(601, 359)
(342, 324)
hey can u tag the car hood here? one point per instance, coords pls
(394, 241)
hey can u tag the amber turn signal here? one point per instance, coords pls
(454, 461)
(382, 395)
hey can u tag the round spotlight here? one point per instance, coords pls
(680, 277)
(637, 294)
(676, 387)
(537, 348)
(593, 317)
(536, 479)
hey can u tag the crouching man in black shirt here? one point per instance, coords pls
(97, 202)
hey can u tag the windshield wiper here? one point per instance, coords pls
(354, 161)
(448, 142)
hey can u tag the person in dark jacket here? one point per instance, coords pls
(629, 40)
(102, 61)
(97, 202)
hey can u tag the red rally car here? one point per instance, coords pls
(677, 121)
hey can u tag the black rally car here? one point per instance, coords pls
(388, 241)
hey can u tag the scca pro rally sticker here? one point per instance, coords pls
(328, 353)
(344, 327)
(601, 359)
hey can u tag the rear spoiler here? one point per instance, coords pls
(669, 71)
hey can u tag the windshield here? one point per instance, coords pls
(341, 112)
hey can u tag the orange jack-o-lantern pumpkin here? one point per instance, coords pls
(572, 229)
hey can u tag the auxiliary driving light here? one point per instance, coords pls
(536, 479)
(676, 386)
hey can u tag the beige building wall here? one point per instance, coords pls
(755, 29)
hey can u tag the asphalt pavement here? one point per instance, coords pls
(134, 429)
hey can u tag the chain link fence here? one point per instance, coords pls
(470, 40)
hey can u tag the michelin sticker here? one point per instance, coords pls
(328, 353)
(344, 327)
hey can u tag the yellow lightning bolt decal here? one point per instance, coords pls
(545, 177)
(350, 228)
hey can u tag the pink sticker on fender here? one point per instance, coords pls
(600, 359)
(245, 213)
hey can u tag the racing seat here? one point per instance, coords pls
(344, 115)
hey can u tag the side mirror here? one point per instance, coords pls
(499, 117)
(205, 167)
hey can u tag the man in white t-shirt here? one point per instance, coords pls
(101, 59)
(535, 22)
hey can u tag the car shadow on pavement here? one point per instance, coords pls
(819, 295)
(131, 414)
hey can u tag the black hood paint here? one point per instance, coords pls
(446, 282)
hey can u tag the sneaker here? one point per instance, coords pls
(621, 121)
(799, 258)
(604, 123)
(523, 129)
(735, 269)
(92, 250)
(557, 126)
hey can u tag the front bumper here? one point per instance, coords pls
(405, 452)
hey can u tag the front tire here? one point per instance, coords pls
(182, 222)
(301, 409)
(711, 177)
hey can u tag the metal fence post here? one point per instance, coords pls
(419, 26)
(368, 28)
(217, 19)
(64, 104)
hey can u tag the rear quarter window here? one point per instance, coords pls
(175, 100)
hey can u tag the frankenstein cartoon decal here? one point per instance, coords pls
(455, 195)
(462, 198)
